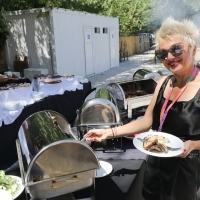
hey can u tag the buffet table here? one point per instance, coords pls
(65, 104)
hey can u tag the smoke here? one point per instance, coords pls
(195, 18)
(178, 9)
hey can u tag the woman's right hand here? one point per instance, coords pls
(97, 135)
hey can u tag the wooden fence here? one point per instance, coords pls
(133, 44)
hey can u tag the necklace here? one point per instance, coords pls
(165, 109)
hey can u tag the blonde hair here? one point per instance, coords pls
(186, 30)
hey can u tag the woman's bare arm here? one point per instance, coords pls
(134, 127)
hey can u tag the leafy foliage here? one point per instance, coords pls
(134, 15)
(3, 32)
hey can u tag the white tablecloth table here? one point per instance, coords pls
(23, 95)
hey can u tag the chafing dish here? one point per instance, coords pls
(138, 91)
(99, 113)
(52, 161)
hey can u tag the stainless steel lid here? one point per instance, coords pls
(117, 93)
(98, 112)
(60, 168)
(52, 161)
(43, 128)
(146, 74)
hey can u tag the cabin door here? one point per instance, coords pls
(89, 65)
(112, 47)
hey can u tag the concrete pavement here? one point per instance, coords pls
(127, 68)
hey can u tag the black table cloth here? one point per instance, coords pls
(125, 182)
(65, 104)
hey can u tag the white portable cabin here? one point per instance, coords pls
(63, 41)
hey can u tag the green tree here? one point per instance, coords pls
(134, 15)
(3, 32)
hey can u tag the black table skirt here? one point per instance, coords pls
(125, 183)
(65, 104)
(126, 180)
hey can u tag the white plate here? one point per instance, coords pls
(174, 142)
(106, 169)
(132, 137)
(12, 104)
(13, 108)
(5, 195)
(20, 186)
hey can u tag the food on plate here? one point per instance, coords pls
(3, 76)
(155, 143)
(8, 183)
(149, 141)
(51, 82)
(24, 84)
(14, 76)
(159, 147)
(68, 76)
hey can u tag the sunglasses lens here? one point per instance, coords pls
(161, 54)
(176, 49)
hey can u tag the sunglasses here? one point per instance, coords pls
(175, 50)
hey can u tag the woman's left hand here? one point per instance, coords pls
(188, 147)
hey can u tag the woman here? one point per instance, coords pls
(174, 109)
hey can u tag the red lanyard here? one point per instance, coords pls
(165, 109)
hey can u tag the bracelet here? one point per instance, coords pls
(113, 133)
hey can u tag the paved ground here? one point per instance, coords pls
(127, 68)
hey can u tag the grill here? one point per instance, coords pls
(132, 94)
(99, 113)
(52, 161)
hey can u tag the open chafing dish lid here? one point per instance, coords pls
(117, 93)
(140, 74)
(52, 161)
(41, 129)
(105, 93)
(61, 158)
(98, 111)
(145, 74)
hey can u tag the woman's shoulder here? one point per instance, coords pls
(163, 80)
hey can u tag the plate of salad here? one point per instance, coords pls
(12, 184)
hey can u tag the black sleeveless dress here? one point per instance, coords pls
(174, 178)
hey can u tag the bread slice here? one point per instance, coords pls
(163, 147)
(162, 139)
(155, 148)
(155, 143)
(149, 141)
